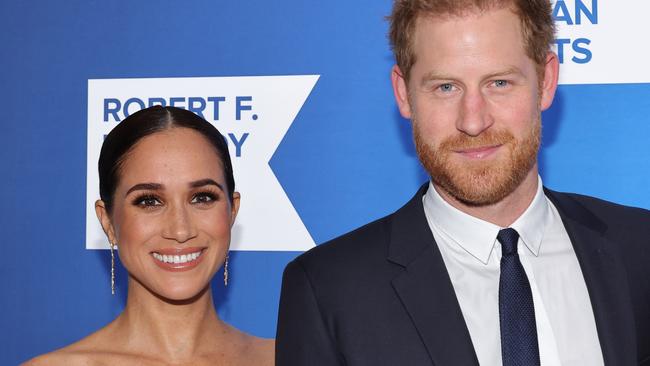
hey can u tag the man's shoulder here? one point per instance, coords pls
(367, 241)
(608, 212)
(626, 226)
(339, 270)
(368, 244)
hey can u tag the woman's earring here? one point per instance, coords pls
(112, 270)
(225, 272)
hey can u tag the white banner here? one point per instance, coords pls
(253, 113)
(602, 41)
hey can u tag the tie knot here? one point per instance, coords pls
(508, 239)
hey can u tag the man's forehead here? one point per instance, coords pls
(429, 22)
(455, 48)
(470, 10)
(454, 25)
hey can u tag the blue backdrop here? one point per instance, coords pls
(346, 159)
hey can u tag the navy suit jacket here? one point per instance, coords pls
(381, 295)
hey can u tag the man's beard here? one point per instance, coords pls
(480, 183)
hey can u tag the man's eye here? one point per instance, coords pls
(446, 88)
(500, 83)
(204, 198)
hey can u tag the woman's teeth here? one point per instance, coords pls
(177, 259)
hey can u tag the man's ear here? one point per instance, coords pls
(105, 221)
(400, 90)
(549, 83)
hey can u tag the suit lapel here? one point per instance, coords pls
(425, 289)
(605, 278)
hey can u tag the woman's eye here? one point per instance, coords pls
(204, 198)
(147, 201)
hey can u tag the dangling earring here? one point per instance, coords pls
(225, 272)
(112, 270)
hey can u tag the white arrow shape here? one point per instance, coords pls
(266, 107)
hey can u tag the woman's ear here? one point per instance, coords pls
(105, 221)
(234, 207)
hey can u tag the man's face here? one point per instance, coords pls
(475, 101)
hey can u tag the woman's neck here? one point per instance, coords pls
(174, 331)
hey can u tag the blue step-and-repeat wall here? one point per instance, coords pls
(301, 91)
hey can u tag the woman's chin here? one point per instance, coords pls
(187, 297)
(181, 293)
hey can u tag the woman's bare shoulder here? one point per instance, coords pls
(80, 355)
(257, 351)
(64, 357)
(85, 352)
(264, 350)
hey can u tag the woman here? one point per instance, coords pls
(168, 203)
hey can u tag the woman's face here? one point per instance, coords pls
(171, 214)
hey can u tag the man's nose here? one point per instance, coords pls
(179, 224)
(474, 117)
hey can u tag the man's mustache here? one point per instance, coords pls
(485, 139)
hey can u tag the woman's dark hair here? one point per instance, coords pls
(143, 123)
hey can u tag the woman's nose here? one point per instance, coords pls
(179, 224)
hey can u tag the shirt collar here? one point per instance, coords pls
(531, 225)
(477, 236)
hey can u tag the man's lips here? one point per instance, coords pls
(478, 152)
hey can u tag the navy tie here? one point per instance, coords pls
(516, 310)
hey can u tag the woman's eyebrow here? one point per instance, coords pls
(205, 182)
(145, 187)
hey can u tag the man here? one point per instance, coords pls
(484, 265)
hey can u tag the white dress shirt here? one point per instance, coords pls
(566, 328)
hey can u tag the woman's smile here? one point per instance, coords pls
(176, 260)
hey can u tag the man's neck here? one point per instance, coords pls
(504, 212)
